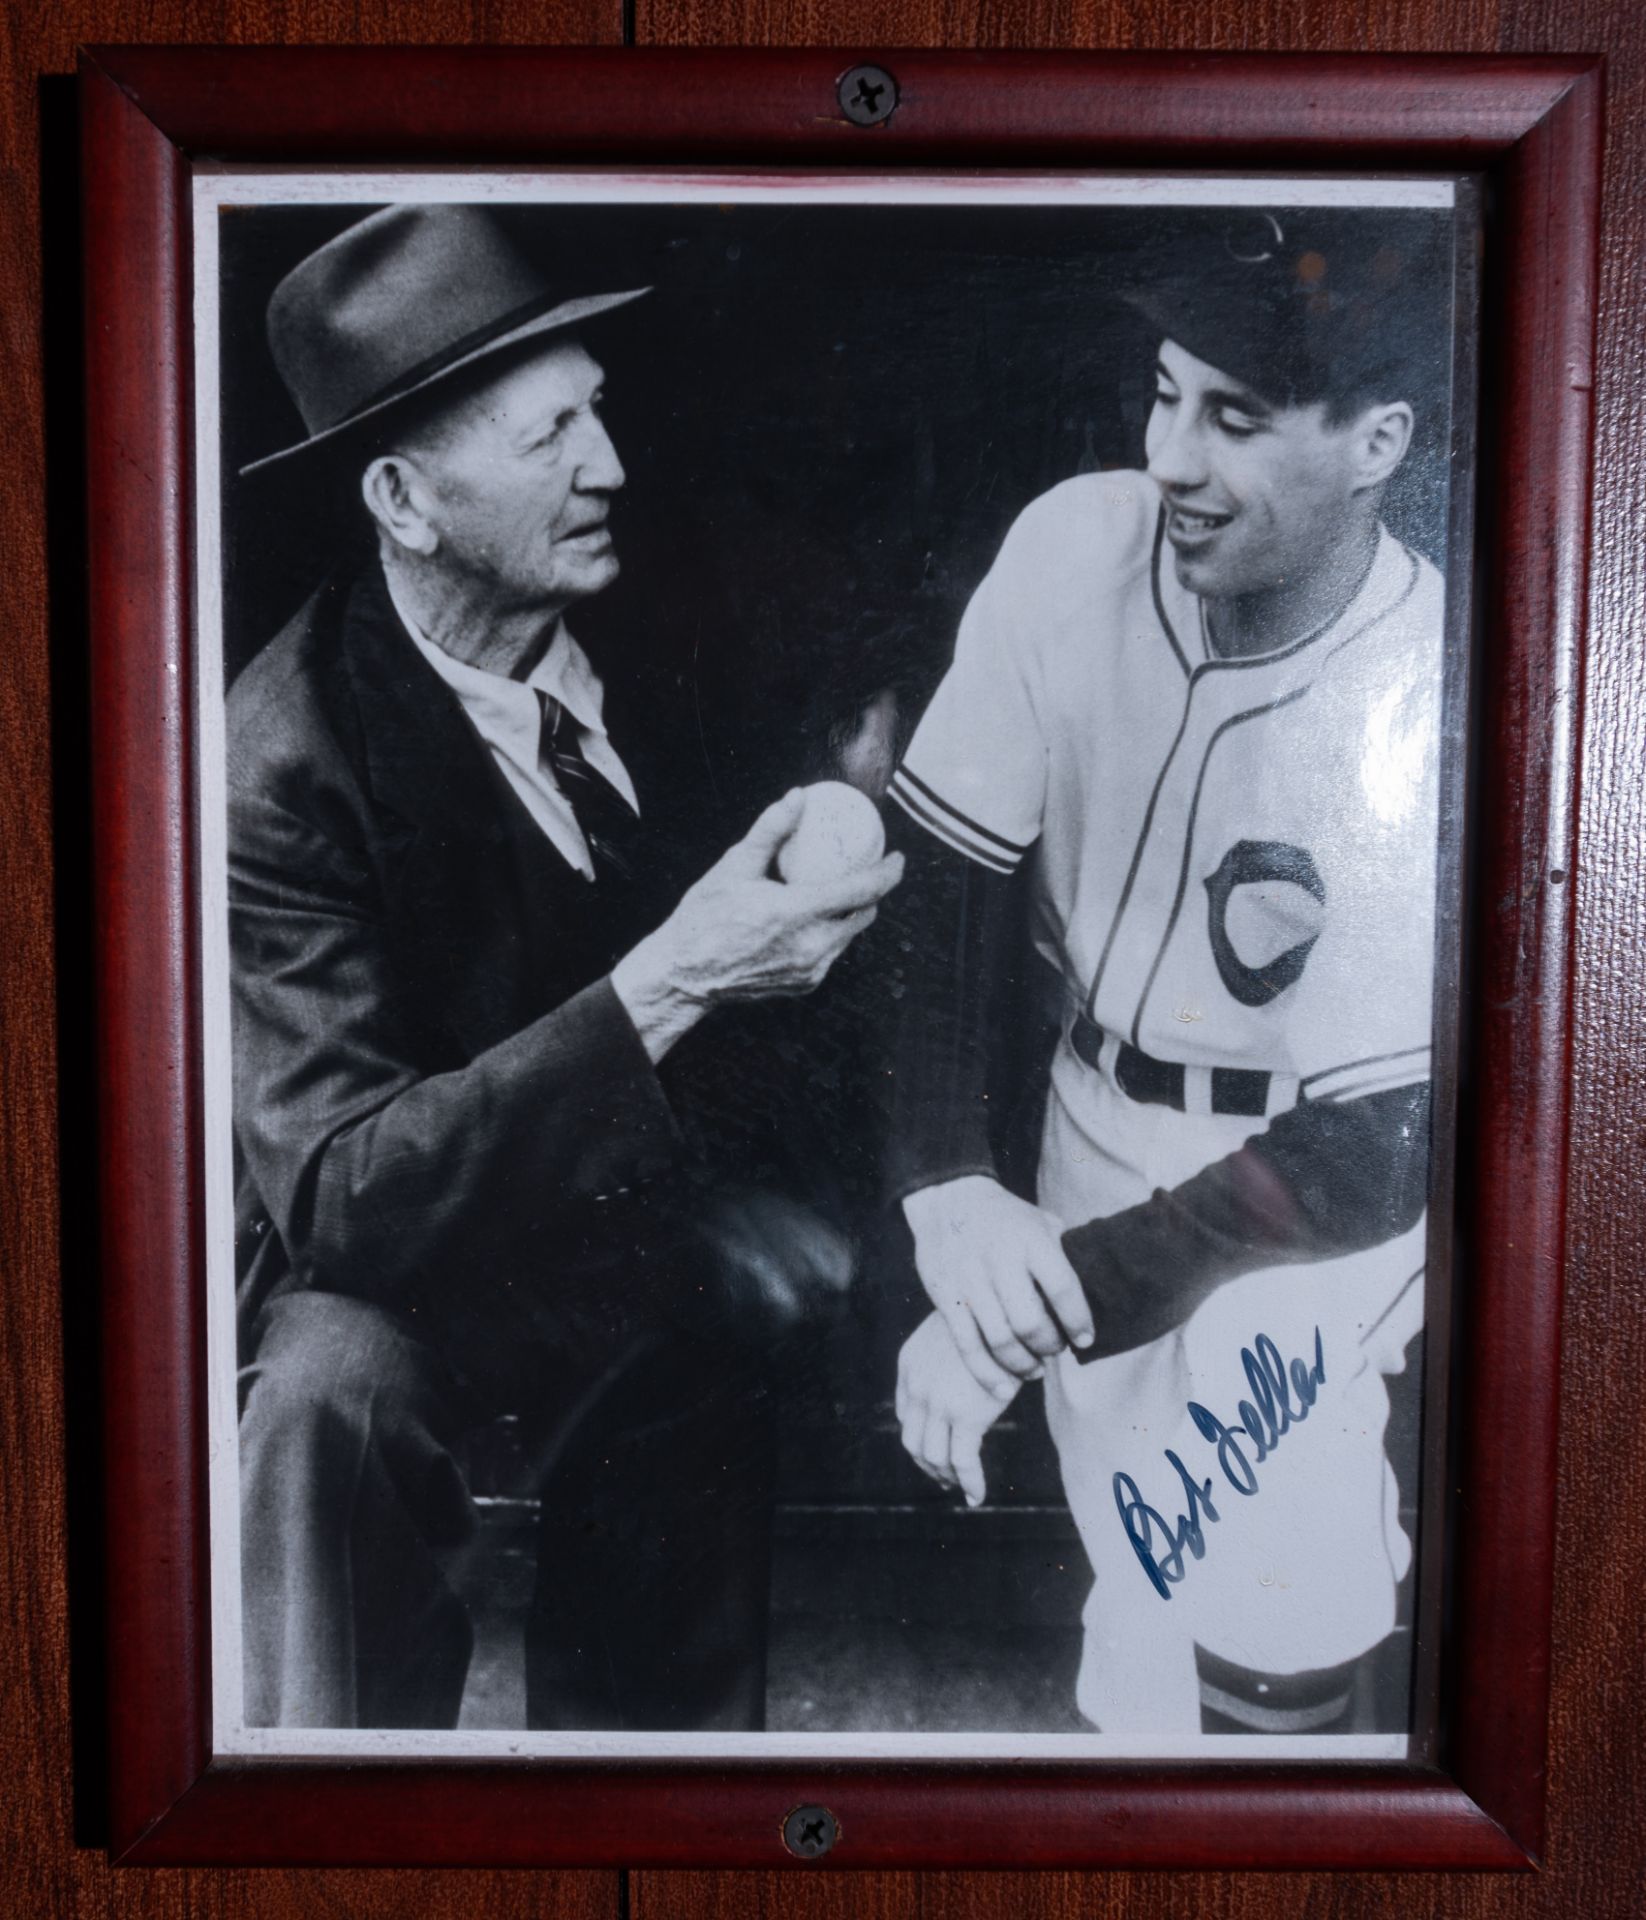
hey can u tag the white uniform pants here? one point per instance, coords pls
(1299, 1567)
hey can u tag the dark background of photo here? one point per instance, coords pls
(828, 417)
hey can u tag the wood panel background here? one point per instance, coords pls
(48, 1493)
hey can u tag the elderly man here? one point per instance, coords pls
(462, 972)
(1201, 706)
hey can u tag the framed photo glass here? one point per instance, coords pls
(1096, 529)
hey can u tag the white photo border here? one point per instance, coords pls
(216, 188)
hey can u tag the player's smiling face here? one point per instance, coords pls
(1258, 497)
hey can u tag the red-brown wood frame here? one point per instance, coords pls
(1533, 127)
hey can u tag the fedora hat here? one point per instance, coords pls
(399, 302)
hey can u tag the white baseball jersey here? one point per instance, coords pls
(1234, 877)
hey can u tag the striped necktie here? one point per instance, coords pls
(607, 820)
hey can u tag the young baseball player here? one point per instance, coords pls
(1201, 705)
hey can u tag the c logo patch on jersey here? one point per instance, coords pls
(1266, 905)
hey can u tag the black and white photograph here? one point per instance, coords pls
(829, 883)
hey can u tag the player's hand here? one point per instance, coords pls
(943, 1412)
(740, 934)
(995, 1269)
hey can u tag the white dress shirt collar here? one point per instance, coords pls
(508, 716)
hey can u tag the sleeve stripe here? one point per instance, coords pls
(1387, 1084)
(1015, 848)
(1366, 1060)
(951, 836)
(1368, 1076)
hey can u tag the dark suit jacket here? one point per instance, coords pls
(440, 1103)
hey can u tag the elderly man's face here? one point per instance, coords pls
(520, 479)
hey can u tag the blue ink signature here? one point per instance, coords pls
(1264, 1422)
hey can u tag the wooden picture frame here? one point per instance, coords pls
(1532, 127)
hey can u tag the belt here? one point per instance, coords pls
(1165, 1083)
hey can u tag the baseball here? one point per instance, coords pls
(839, 833)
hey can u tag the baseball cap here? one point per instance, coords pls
(1302, 304)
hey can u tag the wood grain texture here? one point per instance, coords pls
(1317, 26)
(1598, 1853)
(47, 1513)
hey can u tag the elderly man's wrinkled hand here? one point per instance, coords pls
(778, 1261)
(740, 934)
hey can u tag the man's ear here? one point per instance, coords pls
(1380, 439)
(397, 498)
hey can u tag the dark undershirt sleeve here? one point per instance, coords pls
(1326, 1179)
(950, 927)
